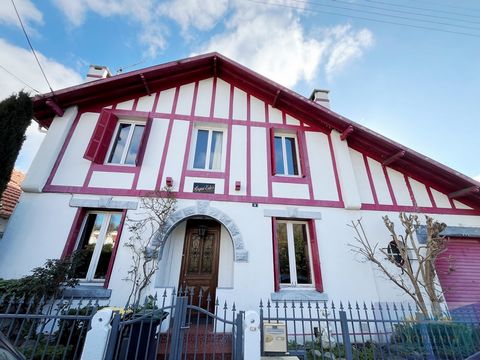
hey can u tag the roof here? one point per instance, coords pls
(12, 193)
(155, 78)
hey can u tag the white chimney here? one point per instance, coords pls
(96, 72)
(320, 96)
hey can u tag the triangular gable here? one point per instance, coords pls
(149, 80)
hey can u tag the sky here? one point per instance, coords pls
(407, 69)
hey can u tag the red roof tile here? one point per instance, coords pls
(11, 195)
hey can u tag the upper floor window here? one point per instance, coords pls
(126, 143)
(96, 242)
(208, 148)
(294, 254)
(286, 154)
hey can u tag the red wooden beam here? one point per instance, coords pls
(145, 84)
(346, 132)
(275, 100)
(54, 106)
(394, 157)
(464, 192)
(214, 66)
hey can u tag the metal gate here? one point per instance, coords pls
(177, 327)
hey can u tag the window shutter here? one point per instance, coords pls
(276, 263)
(143, 142)
(301, 154)
(272, 151)
(317, 272)
(74, 231)
(102, 135)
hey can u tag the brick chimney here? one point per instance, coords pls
(320, 96)
(96, 72)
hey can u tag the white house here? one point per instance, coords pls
(266, 182)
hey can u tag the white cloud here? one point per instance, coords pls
(21, 62)
(152, 34)
(477, 178)
(346, 45)
(273, 42)
(200, 14)
(27, 10)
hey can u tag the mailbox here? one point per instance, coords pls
(274, 337)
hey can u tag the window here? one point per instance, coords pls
(208, 149)
(294, 255)
(296, 259)
(286, 155)
(97, 243)
(118, 141)
(126, 143)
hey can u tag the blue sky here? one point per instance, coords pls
(417, 86)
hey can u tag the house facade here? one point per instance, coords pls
(266, 182)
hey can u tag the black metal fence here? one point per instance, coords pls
(189, 324)
(47, 328)
(317, 330)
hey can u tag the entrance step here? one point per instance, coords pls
(199, 341)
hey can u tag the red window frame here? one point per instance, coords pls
(317, 273)
(300, 150)
(75, 232)
(103, 133)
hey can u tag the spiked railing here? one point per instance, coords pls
(47, 328)
(318, 330)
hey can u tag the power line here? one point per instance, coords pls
(31, 47)
(16, 77)
(405, 11)
(444, 5)
(367, 18)
(386, 15)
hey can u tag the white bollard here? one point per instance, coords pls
(251, 346)
(97, 337)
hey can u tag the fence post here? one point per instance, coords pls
(97, 337)
(239, 336)
(179, 317)
(426, 338)
(252, 340)
(345, 335)
(112, 341)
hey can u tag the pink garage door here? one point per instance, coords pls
(460, 277)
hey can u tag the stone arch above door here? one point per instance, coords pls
(203, 208)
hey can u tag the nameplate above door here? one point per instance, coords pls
(204, 188)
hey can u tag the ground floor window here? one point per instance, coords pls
(96, 241)
(296, 255)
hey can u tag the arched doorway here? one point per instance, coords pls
(200, 259)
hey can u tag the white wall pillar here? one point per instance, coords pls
(97, 337)
(251, 345)
(348, 182)
(47, 154)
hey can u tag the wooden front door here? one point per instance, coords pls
(200, 260)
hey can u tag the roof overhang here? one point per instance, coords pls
(175, 73)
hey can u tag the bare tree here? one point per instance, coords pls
(146, 229)
(415, 276)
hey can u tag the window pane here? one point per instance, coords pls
(119, 144)
(279, 156)
(301, 254)
(134, 144)
(216, 151)
(201, 149)
(106, 253)
(283, 253)
(291, 156)
(87, 242)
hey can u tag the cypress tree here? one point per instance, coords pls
(15, 116)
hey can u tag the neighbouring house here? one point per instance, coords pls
(9, 198)
(266, 181)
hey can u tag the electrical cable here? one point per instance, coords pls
(431, 9)
(16, 77)
(31, 47)
(366, 18)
